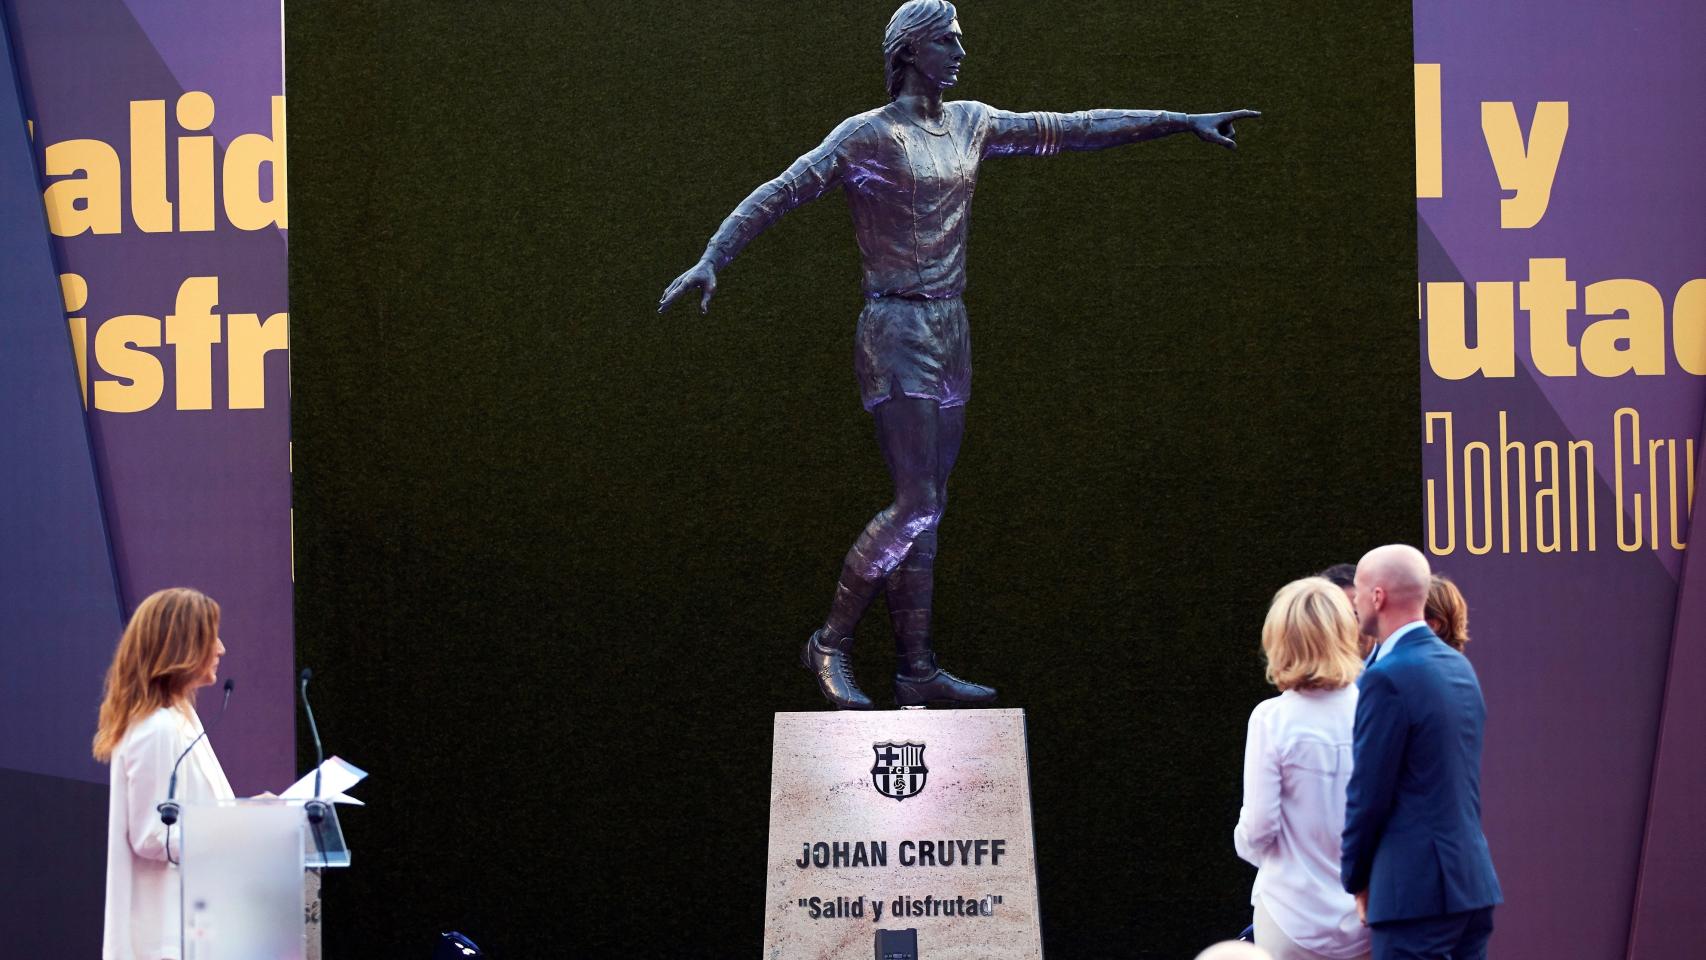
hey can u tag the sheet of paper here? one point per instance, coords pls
(336, 776)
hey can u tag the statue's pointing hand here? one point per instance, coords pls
(701, 275)
(1217, 127)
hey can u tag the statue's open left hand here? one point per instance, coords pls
(1217, 127)
(701, 275)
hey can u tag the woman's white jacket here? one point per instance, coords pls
(142, 886)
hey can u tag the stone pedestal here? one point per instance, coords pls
(902, 820)
(311, 914)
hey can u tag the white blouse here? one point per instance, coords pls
(142, 887)
(1297, 762)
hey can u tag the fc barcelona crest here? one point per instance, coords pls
(899, 771)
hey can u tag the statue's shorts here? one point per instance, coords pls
(913, 348)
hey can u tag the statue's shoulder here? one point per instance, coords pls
(972, 111)
(871, 121)
(857, 128)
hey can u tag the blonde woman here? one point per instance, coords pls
(170, 649)
(1297, 761)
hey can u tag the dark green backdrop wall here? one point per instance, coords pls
(555, 554)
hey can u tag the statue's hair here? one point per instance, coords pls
(916, 20)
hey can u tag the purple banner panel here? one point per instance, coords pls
(1670, 899)
(59, 603)
(158, 131)
(1563, 365)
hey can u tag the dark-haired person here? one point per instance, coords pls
(1447, 613)
(170, 649)
(1297, 761)
(1343, 576)
(908, 169)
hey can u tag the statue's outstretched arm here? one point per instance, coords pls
(806, 179)
(1044, 134)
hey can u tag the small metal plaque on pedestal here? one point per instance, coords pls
(909, 829)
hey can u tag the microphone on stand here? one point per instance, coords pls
(315, 808)
(169, 810)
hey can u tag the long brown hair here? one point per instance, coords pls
(168, 644)
(1447, 608)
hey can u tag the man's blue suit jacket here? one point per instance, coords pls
(1413, 807)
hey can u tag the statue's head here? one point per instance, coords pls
(923, 35)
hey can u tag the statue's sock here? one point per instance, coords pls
(909, 590)
(861, 577)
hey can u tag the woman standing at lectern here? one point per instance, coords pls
(170, 649)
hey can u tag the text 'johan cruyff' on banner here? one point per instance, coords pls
(1562, 360)
(1520, 490)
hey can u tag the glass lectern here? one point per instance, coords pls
(241, 862)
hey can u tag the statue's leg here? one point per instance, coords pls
(908, 430)
(910, 586)
(909, 590)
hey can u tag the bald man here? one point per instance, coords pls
(1413, 853)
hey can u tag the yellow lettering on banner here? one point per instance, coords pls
(244, 159)
(74, 293)
(1688, 458)
(148, 204)
(1688, 323)
(1624, 543)
(1547, 466)
(1677, 477)
(251, 182)
(1627, 334)
(251, 339)
(1434, 545)
(1549, 296)
(1528, 170)
(126, 349)
(1506, 447)
(87, 203)
(195, 163)
(192, 329)
(1430, 147)
(1449, 353)
(1654, 448)
(1676, 541)
(1641, 325)
(1486, 453)
(1579, 482)
(146, 379)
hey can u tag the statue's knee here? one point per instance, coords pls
(921, 516)
(928, 523)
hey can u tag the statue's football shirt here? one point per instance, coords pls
(910, 183)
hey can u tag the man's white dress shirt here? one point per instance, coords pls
(1385, 646)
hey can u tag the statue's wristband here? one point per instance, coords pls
(1184, 120)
